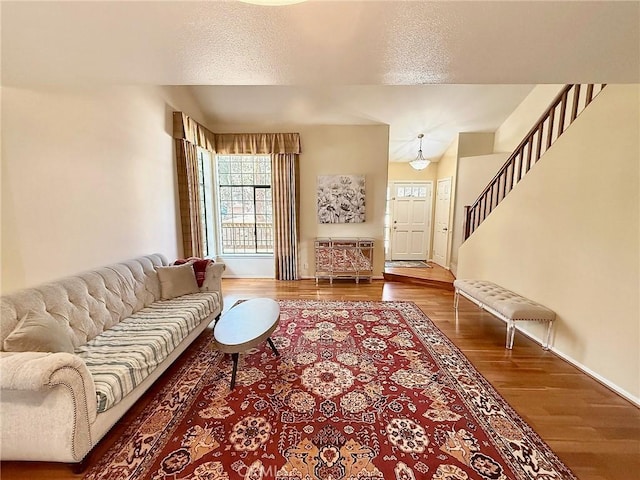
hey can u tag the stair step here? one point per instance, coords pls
(395, 277)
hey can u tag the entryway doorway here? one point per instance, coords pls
(442, 228)
(411, 210)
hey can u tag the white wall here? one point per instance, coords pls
(403, 172)
(474, 174)
(329, 150)
(466, 144)
(88, 178)
(248, 266)
(522, 119)
(568, 237)
(347, 150)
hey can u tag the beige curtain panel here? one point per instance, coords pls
(284, 173)
(189, 135)
(257, 143)
(188, 129)
(189, 195)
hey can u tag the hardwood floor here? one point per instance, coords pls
(593, 430)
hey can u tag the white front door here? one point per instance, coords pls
(411, 220)
(442, 228)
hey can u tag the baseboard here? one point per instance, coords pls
(375, 277)
(611, 386)
(231, 277)
(599, 378)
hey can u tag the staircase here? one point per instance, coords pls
(564, 109)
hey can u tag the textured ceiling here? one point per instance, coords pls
(438, 111)
(326, 46)
(339, 43)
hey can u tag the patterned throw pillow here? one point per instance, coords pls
(38, 333)
(199, 266)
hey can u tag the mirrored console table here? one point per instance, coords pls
(344, 258)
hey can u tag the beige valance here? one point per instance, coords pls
(185, 127)
(257, 143)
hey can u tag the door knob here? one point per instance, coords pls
(445, 229)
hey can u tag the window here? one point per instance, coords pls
(246, 218)
(206, 201)
(409, 191)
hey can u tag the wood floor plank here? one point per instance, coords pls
(593, 430)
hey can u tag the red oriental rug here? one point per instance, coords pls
(362, 390)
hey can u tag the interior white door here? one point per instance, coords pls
(442, 227)
(411, 220)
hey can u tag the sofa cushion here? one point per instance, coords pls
(38, 333)
(120, 358)
(177, 280)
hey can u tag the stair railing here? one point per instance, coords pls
(564, 109)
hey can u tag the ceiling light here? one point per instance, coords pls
(420, 163)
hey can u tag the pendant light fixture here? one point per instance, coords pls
(420, 163)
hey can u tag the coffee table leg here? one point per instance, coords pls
(234, 356)
(273, 347)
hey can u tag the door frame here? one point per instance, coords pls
(390, 209)
(447, 258)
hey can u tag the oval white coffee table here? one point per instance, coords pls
(244, 326)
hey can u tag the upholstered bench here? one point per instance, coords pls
(504, 304)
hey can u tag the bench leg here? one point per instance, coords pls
(511, 332)
(456, 300)
(234, 356)
(547, 337)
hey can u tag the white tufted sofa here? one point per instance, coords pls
(48, 407)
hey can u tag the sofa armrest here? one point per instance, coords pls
(36, 370)
(213, 279)
(45, 392)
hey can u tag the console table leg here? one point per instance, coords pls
(234, 356)
(273, 347)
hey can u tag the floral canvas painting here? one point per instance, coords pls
(341, 199)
